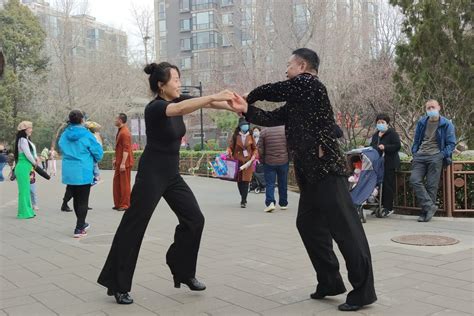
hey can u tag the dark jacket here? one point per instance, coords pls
(272, 146)
(309, 123)
(391, 142)
(445, 136)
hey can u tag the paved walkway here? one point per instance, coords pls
(252, 262)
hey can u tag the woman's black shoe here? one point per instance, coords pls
(65, 208)
(192, 283)
(348, 308)
(243, 205)
(319, 295)
(121, 298)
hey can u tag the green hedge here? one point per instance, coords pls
(197, 163)
(106, 163)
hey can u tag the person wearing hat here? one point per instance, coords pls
(80, 150)
(244, 149)
(25, 162)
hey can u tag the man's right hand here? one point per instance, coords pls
(239, 104)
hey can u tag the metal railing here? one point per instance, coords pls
(455, 194)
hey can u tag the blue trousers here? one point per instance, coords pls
(272, 173)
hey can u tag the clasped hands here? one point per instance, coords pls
(236, 102)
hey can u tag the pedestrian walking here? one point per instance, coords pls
(274, 156)
(243, 149)
(80, 150)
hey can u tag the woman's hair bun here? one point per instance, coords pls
(150, 68)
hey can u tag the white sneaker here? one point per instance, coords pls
(270, 208)
(284, 207)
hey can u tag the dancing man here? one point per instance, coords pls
(325, 210)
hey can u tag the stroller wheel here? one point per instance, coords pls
(257, 190)
(378, 212)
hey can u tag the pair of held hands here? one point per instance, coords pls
(237, 102)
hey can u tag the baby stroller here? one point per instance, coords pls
(258, 180)
(367, 168)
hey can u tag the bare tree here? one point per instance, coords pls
(143, 19)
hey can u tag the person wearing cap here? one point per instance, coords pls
(80, 150)
(25, 161)
(244, 149)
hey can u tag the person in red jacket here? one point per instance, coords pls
(123, 164)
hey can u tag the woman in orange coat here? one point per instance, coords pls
(244, 149)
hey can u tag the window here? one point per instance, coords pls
(184, 6)
(185, 44)
(301, 16)
(186, 81)
(163, 47)
(226, 39)
(246, 38)
(227, 59)
(162, 27)
(204, 40)
(225, 3)
(185, 63)
(227, 19)
(204, 60)
(204, 4)
(203, 20)
(185, 25)
(204, 77)
(161, 11)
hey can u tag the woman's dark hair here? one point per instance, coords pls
(76, 117)
(383, 116)
(309, 56)
(19, 135)
(159, 73)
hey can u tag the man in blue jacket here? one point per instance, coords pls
(432, 148)
(80, 150)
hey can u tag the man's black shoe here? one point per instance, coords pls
(348, 308)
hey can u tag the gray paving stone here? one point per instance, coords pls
(253, 263)
(451, 303)
(433, 278)
(35, 309)
(56, 298)
(16, 301)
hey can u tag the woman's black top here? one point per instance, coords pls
(164, 133)
(391, 142)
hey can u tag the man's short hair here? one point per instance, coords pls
(123, 117)
(308, 56)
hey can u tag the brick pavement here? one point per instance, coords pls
(253, 263)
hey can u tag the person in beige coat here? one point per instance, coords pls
(244, 149)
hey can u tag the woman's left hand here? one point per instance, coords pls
(381, 147)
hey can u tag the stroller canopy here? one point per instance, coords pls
(370, 176)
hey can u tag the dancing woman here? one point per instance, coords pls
(158, 176)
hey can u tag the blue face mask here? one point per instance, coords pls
(245, 128)
(382, 127)
(432, 113)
